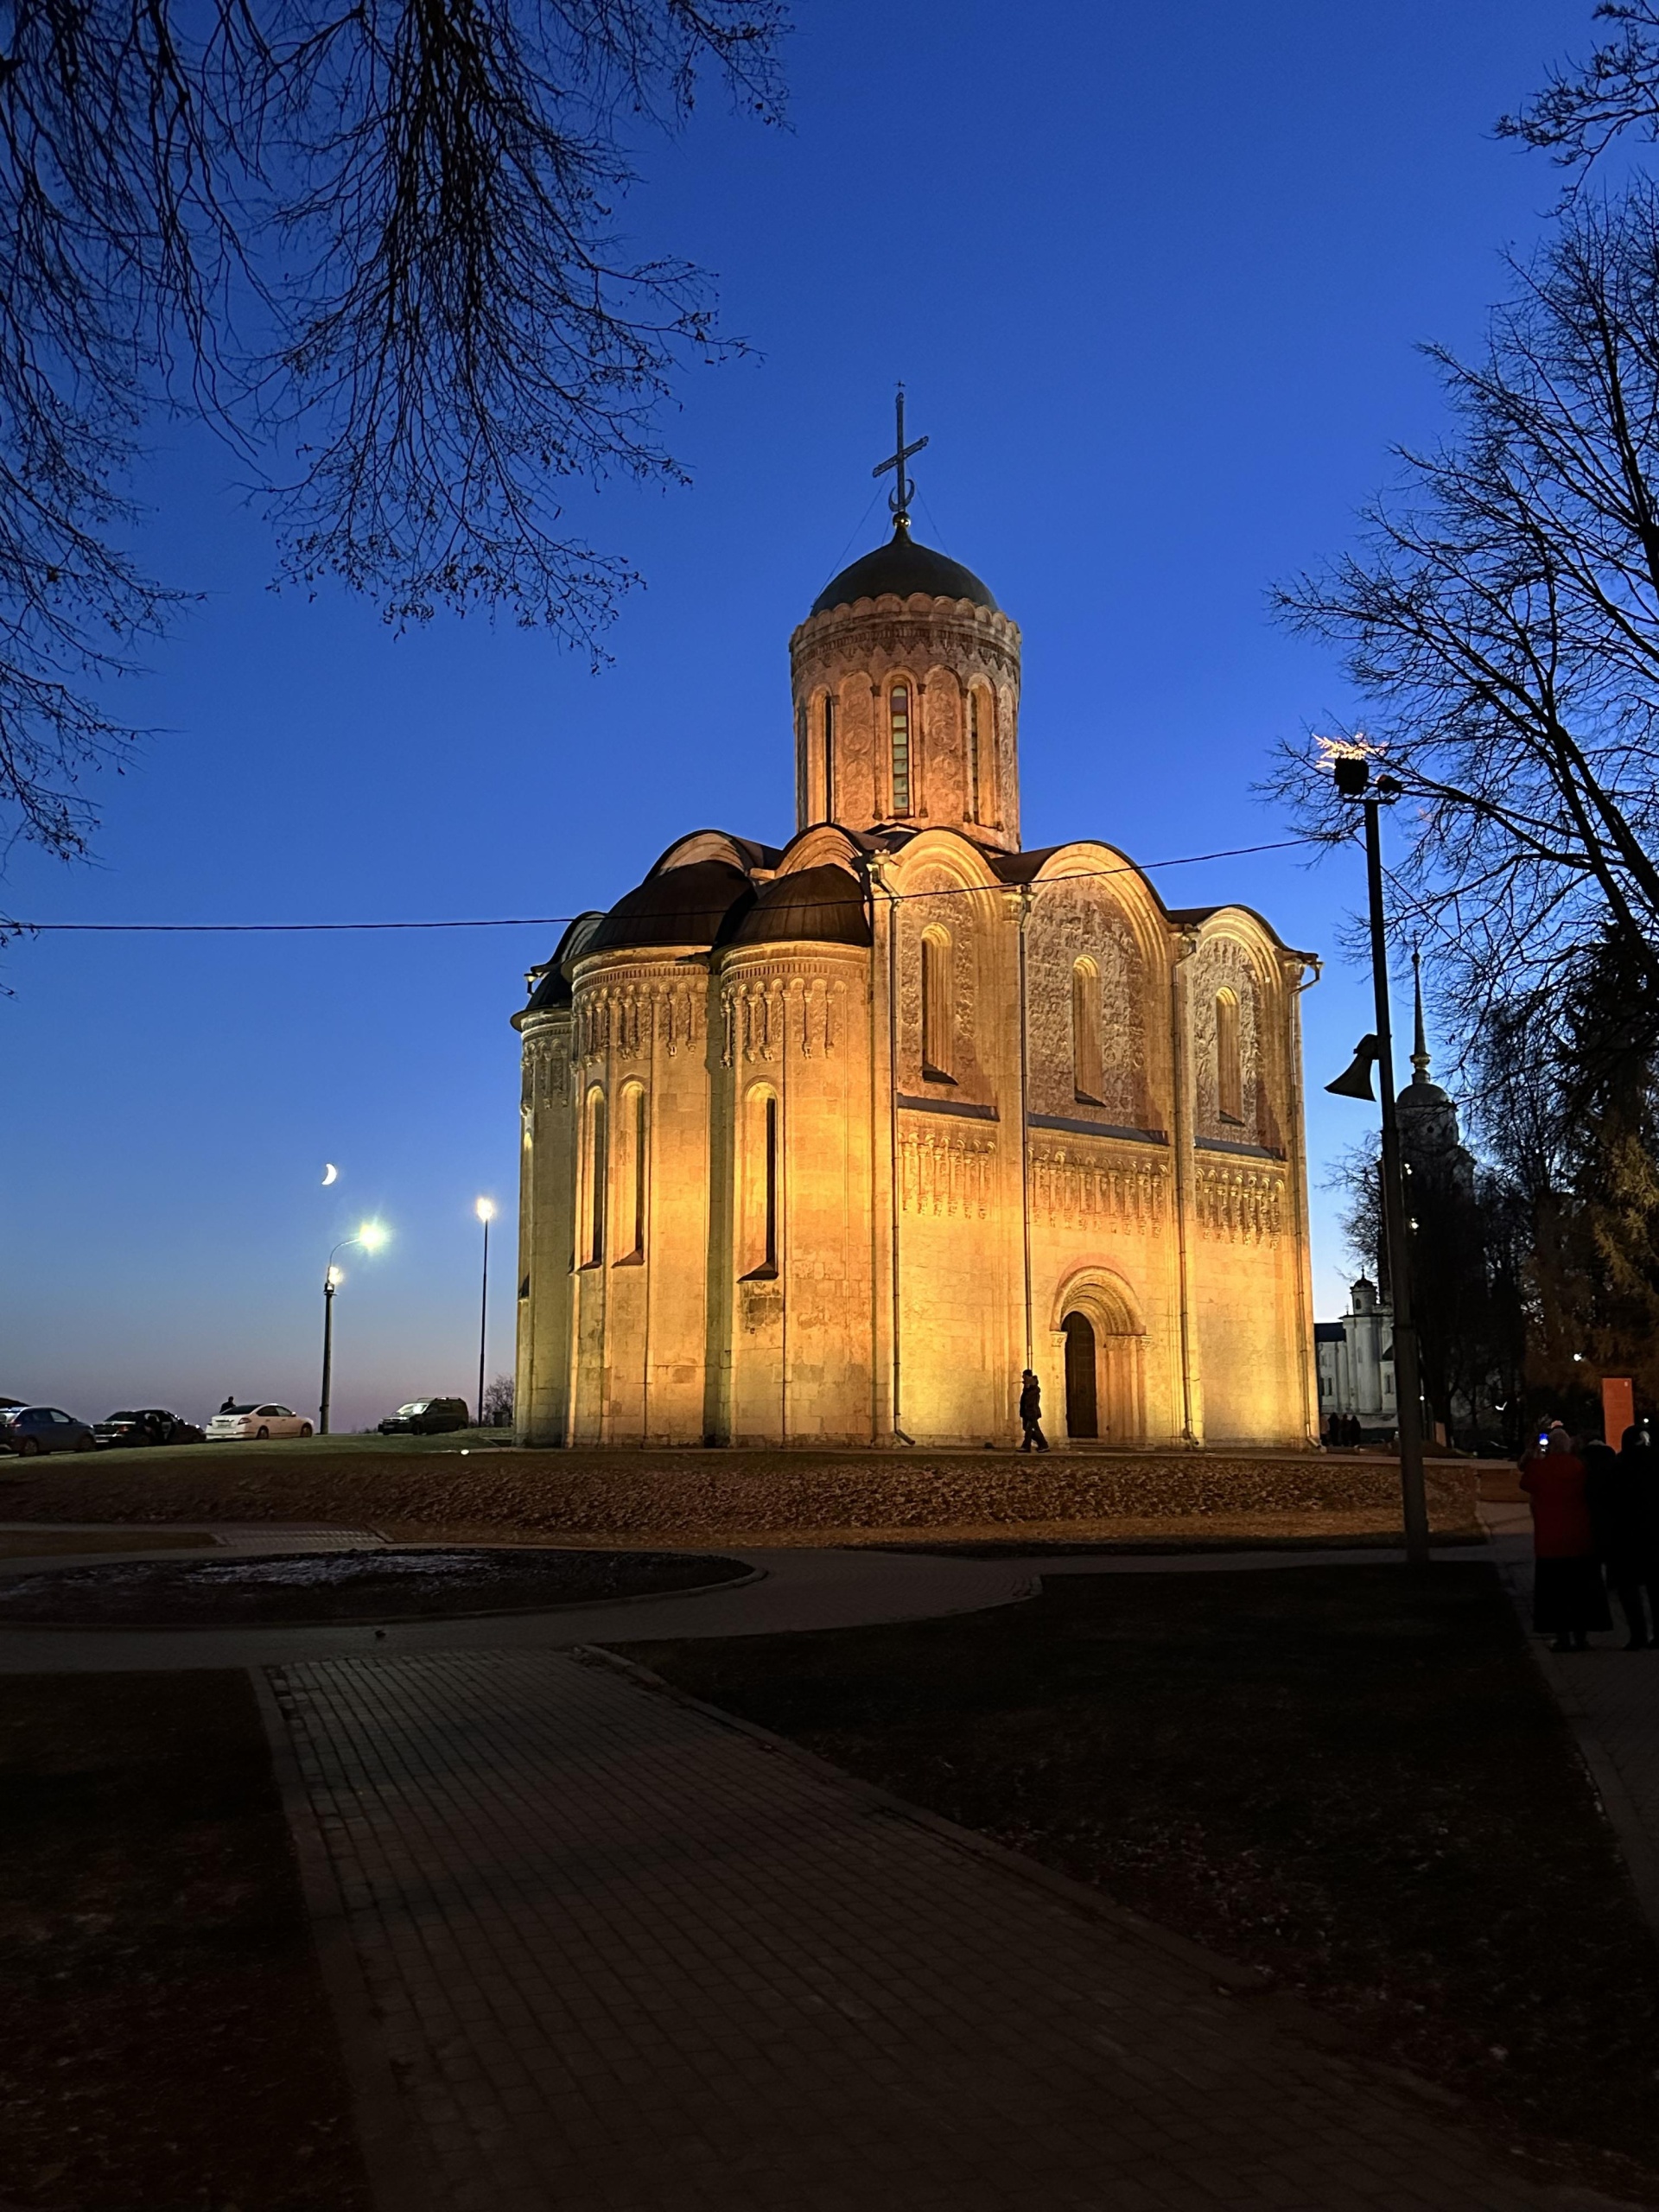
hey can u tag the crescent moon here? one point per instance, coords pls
(330, 1174)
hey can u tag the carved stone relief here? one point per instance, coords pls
(1072, 921)
(623, 1018)
(963, 918)
(1072, 1191)
(1221, 964)
(774, 1010)
(547, 1068)
(945, 1172)
(1241, 1205)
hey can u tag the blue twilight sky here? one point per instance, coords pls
(1154, 276)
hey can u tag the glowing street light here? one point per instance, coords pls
(371, 1236)
(484, 1209)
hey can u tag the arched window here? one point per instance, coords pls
(982, 735)
(1086, 1073)
(1230, 1076)
(899, 732)
(938, 1013)
(631, 1180)
(829, 757)
(596, 1168)
(761, 1169)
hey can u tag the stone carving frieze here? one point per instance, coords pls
(1073, 1190)
(621, 1018)
(774, 1010)
(946, 1172)
(547, 1068)
(1071, 922)
(1242, 1206)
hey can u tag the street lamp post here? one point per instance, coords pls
(371, 1236)
(1352, 775)
(484, 1209)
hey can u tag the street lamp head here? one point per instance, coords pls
(336, 1277)
(484, 1209)
(1350, 772)
(371, 1236)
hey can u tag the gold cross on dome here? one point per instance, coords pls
(899, 498)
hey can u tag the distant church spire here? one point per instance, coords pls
(1420, 1049)
(900, 498)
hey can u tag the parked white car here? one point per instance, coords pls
(271, 1420)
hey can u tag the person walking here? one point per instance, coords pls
(1030, 1413)
(1568, 1598)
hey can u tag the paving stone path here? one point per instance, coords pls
(624, 1954)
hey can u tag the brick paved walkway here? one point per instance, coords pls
(624, 1955)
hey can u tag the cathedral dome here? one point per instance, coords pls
(903, 566)
(818, 905)
(681, 905)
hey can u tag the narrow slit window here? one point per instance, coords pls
(598, 1178)
(761, 1168)
(639, 1171)
(937, 1022)
(975, 740)
(801, 798)
(1229, 1079)
(898, 727)
(1086, 1073)
(828, 758)
(769, 1246)
(632, 1173)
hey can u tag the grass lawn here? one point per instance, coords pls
(1352, 1777)
(164, 2044)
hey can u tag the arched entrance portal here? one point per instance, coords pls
(1103, 1341)
(1082, 1418)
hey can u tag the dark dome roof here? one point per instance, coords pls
(825, 906)
(904, 567)
(682, 905)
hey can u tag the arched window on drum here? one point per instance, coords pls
(982, 754)
(1088, 1074)
(1229, 1070)
(899, 745)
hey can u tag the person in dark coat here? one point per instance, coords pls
(1616, 1525)
(1634, 1571)
(1031, 1414)
(1568, 1598)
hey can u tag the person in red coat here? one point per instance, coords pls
(1568, 1596)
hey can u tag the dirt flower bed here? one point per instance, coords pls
(342, 1587)
(761, 1497)
(1352, 1777)
(164, 2036)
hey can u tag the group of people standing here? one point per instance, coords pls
(1595, 1526)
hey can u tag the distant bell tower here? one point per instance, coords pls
(907, 690)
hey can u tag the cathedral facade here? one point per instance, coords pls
(824, 1143)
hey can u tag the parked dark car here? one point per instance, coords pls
(148, 1424)
(427, 1417)
(28, 1429)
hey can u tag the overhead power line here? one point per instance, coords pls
(563, 921)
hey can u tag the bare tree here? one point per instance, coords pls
(1502, 620)
(1583, 108)
(374, 242)
(498, 1402)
